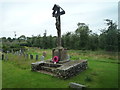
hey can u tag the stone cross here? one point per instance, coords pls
(57, 11)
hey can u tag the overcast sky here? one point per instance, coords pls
(33, 17)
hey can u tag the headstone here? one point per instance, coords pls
(7, 51)
(42, 58)
(20, 51)
(12, 51)
(26, 56)
(6, 57)
(23, 54)
(2, 56)
(44, 54)
(68, 57)
(31, 56)
(17, 53)
(36, 57)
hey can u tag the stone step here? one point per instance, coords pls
(52, 65)
(48, 69)
(45, 72)
(63, 61)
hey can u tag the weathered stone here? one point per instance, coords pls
(26, 56)
(76, 85)
(31, 56)
(6, 57)
(2, 56)
(63, 71)
(36, 57)
(60, 52)
(36, 66)
(44, 54)
(42, 58)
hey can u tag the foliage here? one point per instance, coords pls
(109, 37)
(82, 38)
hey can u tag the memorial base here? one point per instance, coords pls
(62, 70)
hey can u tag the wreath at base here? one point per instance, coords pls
(55, 59)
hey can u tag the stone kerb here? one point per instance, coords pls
(69, 71)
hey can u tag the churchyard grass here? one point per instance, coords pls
(102, 71)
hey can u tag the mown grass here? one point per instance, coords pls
(17, 71)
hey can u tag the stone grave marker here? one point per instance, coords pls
(2, 56)
(31, 56)
(36, 57)
(6, 57)
(44, 54)
(8, 52)
(26, 55)
(12, 51)
(42, 58)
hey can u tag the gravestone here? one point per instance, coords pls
(6, 57)
(2, 56)
(42, 58)
(8, 52)
(44, 54)
(26, 56)
(36, 57)
(31, 56)
(12, 51)
(17, 53)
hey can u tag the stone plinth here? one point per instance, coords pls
(60, 52)
(64, 71)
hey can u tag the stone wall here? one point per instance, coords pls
(63, 71)
(71, 70)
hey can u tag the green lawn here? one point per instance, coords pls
(102, 72)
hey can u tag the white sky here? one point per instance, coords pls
(33, 17)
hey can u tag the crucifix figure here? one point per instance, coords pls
(57, 11)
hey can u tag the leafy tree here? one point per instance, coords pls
(83, 32)
(9, 39)
(22, 37)
(111, 36)
(93, 41)
(50, 41)
(4, 39)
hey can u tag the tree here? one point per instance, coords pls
(108, 39)
(83, 32)
(111, 36)
(9, 39)
(22, 37)
(50, 41)
(4, 39)
(93, 41)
